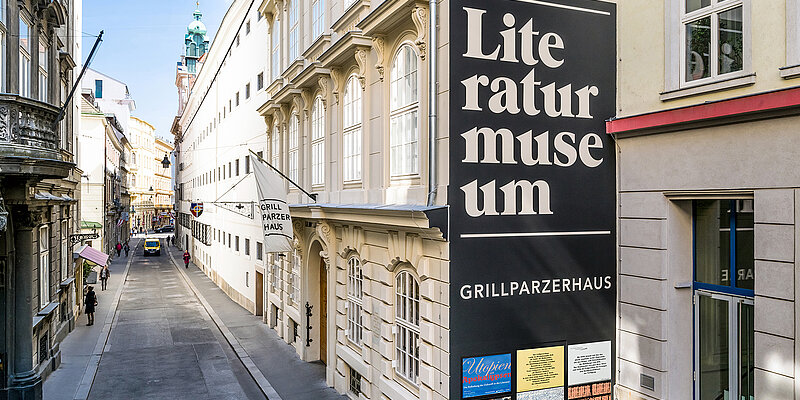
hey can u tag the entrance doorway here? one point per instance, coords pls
(259, 293)
(323, 312)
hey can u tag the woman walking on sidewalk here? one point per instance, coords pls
(186, 258)
(105, 273)
(127, 248)
(118, 247)
(90, 301)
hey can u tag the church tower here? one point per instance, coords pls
(195, 48)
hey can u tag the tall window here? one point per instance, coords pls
(355, 295)
(276, 147)
(318, 142)
(294, 277)
(65, 253)
(44, 266)
(275, 37)
(259, 251)
(407, 326)
(404, 105)
(294, 30)
(98, 89)
(317, 17)
(260, 80)
(246, 246)
(44, 57)
(24, 58)
(713, 38)
(723, 299)
(294, 140)
(3, 34)
(351, 133)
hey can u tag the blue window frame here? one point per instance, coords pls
(98, 89)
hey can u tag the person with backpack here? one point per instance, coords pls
(186, 258)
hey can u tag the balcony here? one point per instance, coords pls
(29, 141)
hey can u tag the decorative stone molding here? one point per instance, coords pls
(323, 88)
(353, 237)
(406, 249)
(420, 16)
(379, 46)
(337, 78)
(27, 218)
(296, 103)
(326, 258)
(306, 94)
(361, 55)
(326, 235)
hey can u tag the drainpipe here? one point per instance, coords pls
(432, 103)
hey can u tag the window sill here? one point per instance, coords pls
(790, 71)
(352, 184)
(710, 87)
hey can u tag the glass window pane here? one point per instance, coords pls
(692, 5)
(713, 348)
(712, 242)
(730, 41)
(746, 352)
(745, 271)
(698, 49)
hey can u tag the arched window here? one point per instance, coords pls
(294, 125)
(318, 142)
(193, 50)
(276, 146)
(351, 132)
(407, 322)
(355, 295)
(404, 111)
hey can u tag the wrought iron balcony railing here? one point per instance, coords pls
(29, 139)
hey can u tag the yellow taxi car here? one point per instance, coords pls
(152, 246)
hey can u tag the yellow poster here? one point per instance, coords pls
(540, 368)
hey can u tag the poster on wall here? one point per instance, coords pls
(486, 375)
(532, 192)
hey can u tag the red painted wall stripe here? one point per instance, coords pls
(718, 109)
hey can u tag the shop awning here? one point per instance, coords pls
(91, 254)
(90, 225)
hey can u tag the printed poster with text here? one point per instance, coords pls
(532, 187)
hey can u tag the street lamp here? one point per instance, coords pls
(165, 162)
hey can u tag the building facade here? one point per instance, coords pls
(335, 95)
(39, 189)
(707, 142)
(151, 183)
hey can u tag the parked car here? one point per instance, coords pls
(152, 246)
(165, 228)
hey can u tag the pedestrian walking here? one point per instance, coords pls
(119, 248)
(104, 275)
(186, 258)
(127, 249)
(90, 301)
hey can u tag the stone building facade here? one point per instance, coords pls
(709, 199)
(336, 96)
(39, 189)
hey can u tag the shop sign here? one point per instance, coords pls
(196, 209)
(532, 195)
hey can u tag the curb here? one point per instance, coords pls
(241, 353)
(82, 392)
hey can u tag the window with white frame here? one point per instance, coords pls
(294, 29)
(713, 38)
(355, 296)
(404, 113)
(294, 277)
(24, 58)
(406, 340)
(317, 18)
(44, 266)
(44, 57)
(65, 253)
(274, 272)
(275, 37)
(294, 140)
(318, 142)
(275, 143)
(351, 130)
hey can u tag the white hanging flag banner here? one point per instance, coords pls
(275, 218)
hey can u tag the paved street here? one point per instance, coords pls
(166, 342)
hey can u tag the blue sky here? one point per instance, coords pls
(141, 45)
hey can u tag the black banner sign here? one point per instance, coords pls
(532, 198)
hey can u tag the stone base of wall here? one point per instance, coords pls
(235, 295)
(623, 393)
